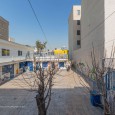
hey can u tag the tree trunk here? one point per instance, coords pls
(41, 105)
(41, 110)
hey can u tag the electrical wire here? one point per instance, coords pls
(98, 45)
(85, 37)
(38, 21)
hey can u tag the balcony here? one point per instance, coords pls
(6, 59)
(51, 57)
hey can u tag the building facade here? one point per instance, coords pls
(14, 58)
(4, 29)
(98, 34)
(92, 31)
(74, 35)
(97, 30)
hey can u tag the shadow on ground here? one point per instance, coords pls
(65, 101)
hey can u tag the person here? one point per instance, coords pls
(70, 64)
(56, 66)
(49, 66)
(67, 65)
(53, 65)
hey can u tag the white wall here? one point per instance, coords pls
(70, 35)
(73, 27)
(109, 26)
(14, 51)
(91, 31)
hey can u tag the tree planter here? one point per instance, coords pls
(40, 105)
(95, 98)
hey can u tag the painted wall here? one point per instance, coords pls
(109, 26)
(59, 51)
(13, 47)
(4, 29)
(92, 31)
(72, 30)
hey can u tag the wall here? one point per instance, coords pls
(13, 47)
(109, 26)
(72, 22)
(92, 31)
(70, 31)
(4, 29)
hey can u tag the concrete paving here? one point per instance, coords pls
(70, 97)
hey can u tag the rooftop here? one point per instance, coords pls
(13, 43)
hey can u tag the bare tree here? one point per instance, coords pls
(97, 72)
(40, 81)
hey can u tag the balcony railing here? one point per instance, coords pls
(13, 58)
(51, 58)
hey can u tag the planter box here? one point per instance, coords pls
(95, 98)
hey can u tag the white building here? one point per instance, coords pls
(97, 28)
(13, 56)
(98, 31)
(74, 30)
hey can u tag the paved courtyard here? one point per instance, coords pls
(70, 97)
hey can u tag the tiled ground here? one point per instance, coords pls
(70, 97)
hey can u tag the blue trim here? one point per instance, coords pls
(8, 69)
(61, 64)
(30, 65)
(44, 64)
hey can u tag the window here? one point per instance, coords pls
(78, 22)
(19, 53)
(78, 32)
(78, 42)
(5, 52)
(78, 12)
(8, 52)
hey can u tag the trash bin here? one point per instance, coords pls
(95, 98)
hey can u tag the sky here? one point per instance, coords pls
(52, 14)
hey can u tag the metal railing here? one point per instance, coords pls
(51, 57)
(4, 59)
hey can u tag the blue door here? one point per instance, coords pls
(44, 64)
(61, 64)
(22, 65)
(8, 69)
(37, 65)
(30, 65)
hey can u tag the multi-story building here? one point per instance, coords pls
(14, 57)
(97, 28)
(74, 30)
(4, 29)
(98, 33)
(13, 54)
